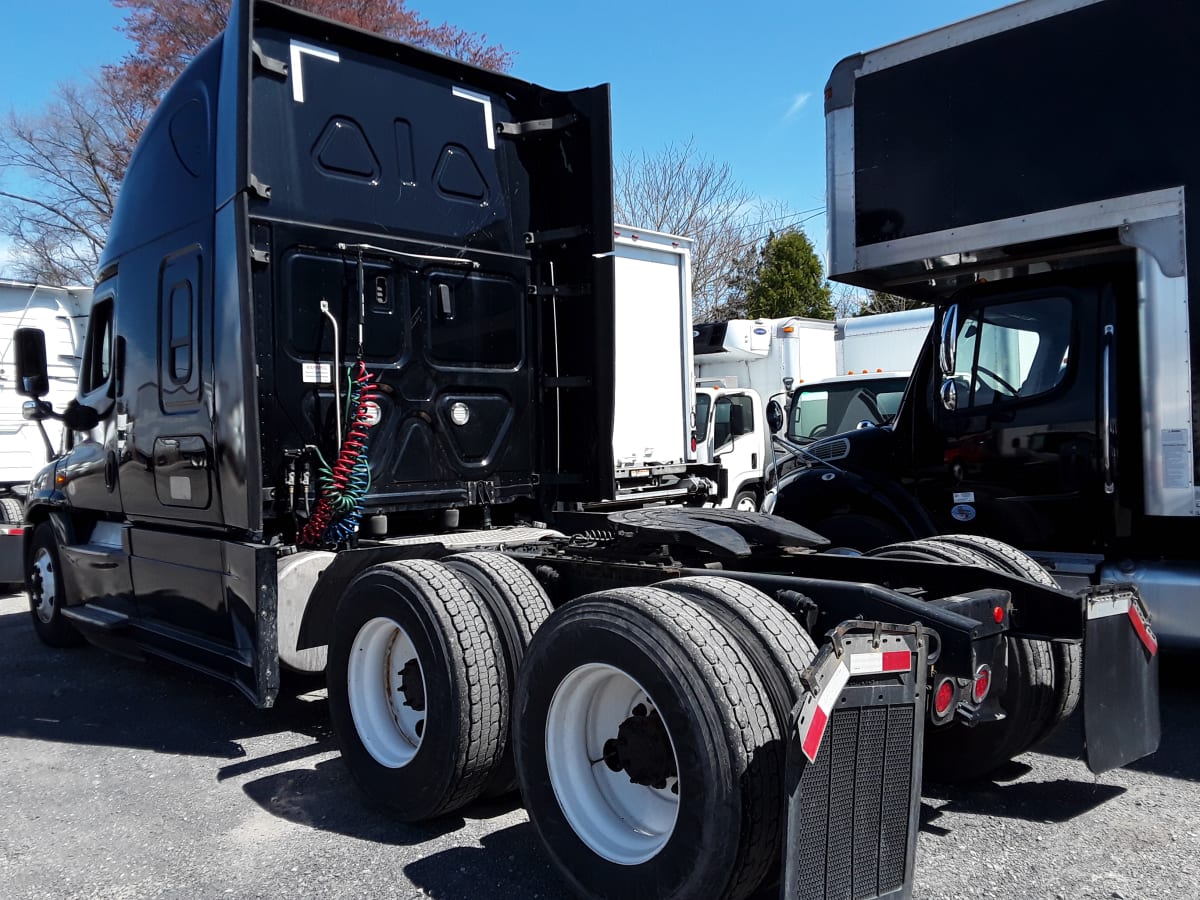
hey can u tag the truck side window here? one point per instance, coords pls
(1013, 350)
(97, 354)
(703, 405)
(723, 420)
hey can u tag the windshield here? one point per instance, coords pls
(828, 409)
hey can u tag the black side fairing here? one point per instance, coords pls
(453, 217)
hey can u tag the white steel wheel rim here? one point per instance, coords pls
(390, 728)
(45, 584)
(623, 822)
(747, 504)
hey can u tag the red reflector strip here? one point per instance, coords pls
(1143, 629)
(816, 731)
(875, 663)
(819, 711)
(12, 532)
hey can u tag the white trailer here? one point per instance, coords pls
(887, 342)
(61, 314)
(654, 398)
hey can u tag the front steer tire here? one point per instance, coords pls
(418, 689)
(47, 592)
(579, 690)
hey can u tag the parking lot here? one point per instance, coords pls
(122, 779)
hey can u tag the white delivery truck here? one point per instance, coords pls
(61, 313)
(654, 450)
(740, 365)
(886, 342)
(731, 432)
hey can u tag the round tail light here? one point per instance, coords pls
(983, 684)
(943, 698)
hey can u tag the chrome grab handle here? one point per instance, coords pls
(1106, 410)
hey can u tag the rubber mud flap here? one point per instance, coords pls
(1120, 679)
(854, 760)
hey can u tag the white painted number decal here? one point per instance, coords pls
(297, 50)
(488, 124)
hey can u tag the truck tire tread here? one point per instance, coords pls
(778, 646)
(1068, 658)
(519, 606)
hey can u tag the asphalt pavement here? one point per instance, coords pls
(122, 779)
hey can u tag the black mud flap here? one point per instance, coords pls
(1120, 679)
(854, 766)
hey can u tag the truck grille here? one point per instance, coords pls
(838, 448)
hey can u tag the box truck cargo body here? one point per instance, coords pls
(1043, 208)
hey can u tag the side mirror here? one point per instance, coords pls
(33, 379)
(948, 346)
(737, 421)
(78, 417)
(949, 394)
(774, 416)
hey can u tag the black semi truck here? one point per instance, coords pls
(1028, 171)
(347, 385)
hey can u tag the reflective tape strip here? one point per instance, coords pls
(12, 532)
(1142, 627)
(877, 663)
(820, 714)
(1114, 605)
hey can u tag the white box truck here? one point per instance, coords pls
(654, 448)
(886, 342)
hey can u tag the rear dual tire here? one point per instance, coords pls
(625, 698)
(418, 689)
(1042, 682)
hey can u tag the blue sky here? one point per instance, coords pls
(745, 82)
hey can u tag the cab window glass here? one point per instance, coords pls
(97, 354)
(809, 415)
(731, 410)
(1010, 351)
(703, 405)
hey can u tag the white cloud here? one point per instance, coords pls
(800, 101)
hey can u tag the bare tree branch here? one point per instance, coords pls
(60, 172)
(679, 191)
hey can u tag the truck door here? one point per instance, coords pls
(1019, 453)
(89, 470)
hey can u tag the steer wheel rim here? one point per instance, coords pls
(747, 504)
(386, 687)
(45, 584)
(623, 822)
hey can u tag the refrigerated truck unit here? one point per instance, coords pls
(1043, 207)
(335, 392)
(766, 355)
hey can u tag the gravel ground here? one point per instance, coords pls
(122, 779)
